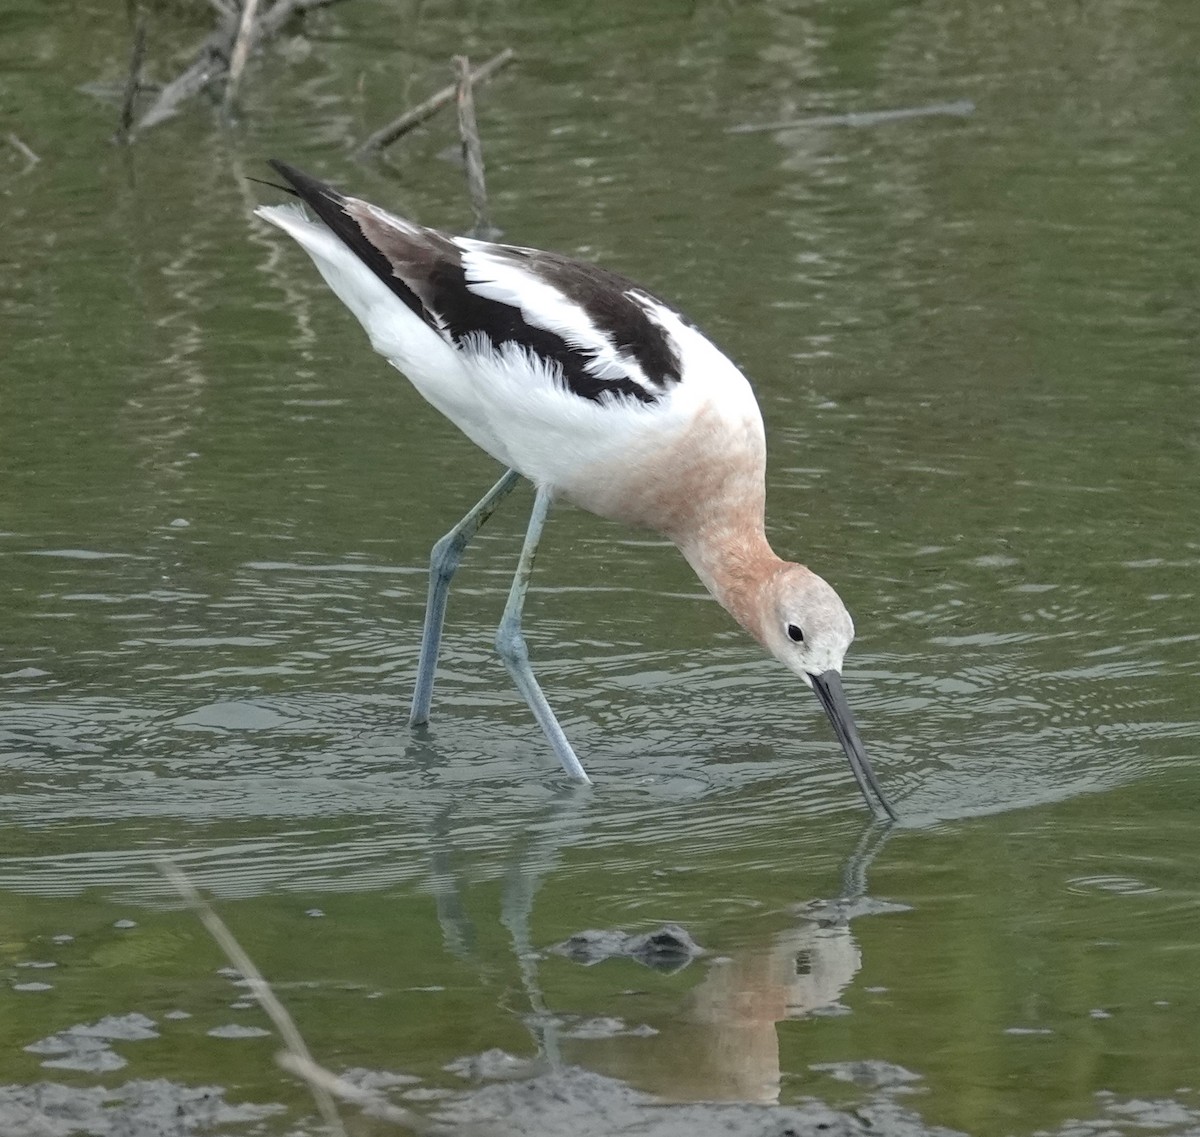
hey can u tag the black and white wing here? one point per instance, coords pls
(602, 335)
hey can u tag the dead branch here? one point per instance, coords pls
(208, 64)
(247, 28)
(412, 118)
(213, 60)
(472, 149)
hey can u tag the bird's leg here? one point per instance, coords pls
(510, 643)
(443, 563)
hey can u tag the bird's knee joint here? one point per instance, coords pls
(446, 556)
(510, 645)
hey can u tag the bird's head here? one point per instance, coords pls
(805, 625)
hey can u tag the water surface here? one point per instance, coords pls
(974, 341)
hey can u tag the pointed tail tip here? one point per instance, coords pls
(308, 189)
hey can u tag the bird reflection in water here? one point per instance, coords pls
(721, 1042)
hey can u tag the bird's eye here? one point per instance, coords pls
(795, 634)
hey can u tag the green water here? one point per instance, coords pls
(975, 344)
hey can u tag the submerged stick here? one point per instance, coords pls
(259, 988)
(208, 64)
(133, 81)
(31, 159)
(399, 127)
(213, 59)
(960, 107)
(472, 149)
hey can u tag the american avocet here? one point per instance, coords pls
(596, 391)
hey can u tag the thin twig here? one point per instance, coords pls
(133, 81)
(257, 985)
(412, 118)
(246, 35)
(31, 159)
(472, 149)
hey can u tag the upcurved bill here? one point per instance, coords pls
(828, 686)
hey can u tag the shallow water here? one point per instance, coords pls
(974, 340)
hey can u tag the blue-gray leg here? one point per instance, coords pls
(510, 643)
(443, 563)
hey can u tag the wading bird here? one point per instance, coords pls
(596, 391)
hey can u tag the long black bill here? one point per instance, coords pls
(828, 687)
